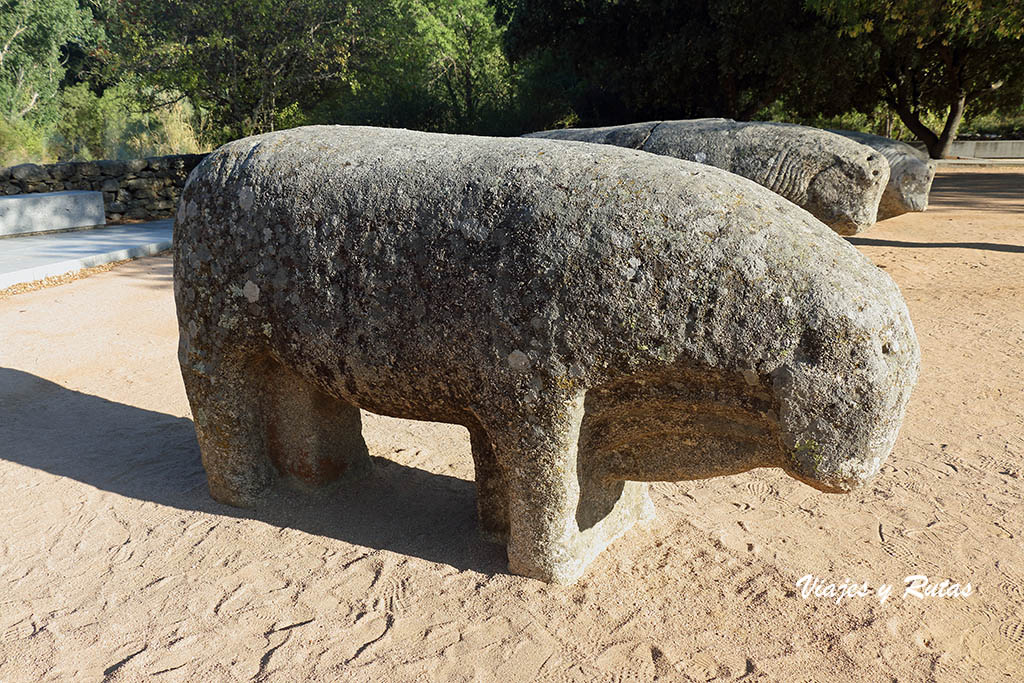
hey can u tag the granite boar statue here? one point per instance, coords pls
(595, 317)
(911, 173)
(839, 181)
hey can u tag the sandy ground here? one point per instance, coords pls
(115, 564)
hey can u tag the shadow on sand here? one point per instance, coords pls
(154, 456)
(977, 191)
(870, 242)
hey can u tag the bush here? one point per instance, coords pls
(1004, 125)
(109, 126)
(21, 142)
(881, 121)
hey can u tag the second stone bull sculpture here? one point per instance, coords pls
(838, 180)
(911, 173)
(595, 317)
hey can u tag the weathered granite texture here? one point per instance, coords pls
(595, 317)
(133, 189)
(910, 174)
(837, 180)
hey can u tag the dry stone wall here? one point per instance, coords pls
(133, 189)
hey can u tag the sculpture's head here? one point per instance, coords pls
(843, 396)
(911, 181)
(846, 190)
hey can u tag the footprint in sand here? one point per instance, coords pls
(367, 630)
(19, 630)
(702, 667)
(762, 490)
(1012, 629)
(391, 594)
(939, 536)
(641, 666)
(388, 589)
(1013, 588)
(907, 551)
(1003, 466)
(752, 585)
(379, 579)
(990, 652)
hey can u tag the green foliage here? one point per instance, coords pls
(124, 78)
(634, 60)
(443, 69)
(246, 64)
(999, 124)
(924, 20)
(21, 141)
(33, 34)
(107, 126)
(545, 91)
(880, 121)
(637, 60)
(921, 57)
(465, 67)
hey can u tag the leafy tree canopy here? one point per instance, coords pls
(918, 56)
(465, 58)
(444, 69)
(631, 60)
(34, 35)
(246, 63)
(646, 59)
(206, 72)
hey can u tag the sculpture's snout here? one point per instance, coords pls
(916, 183)
(807, 464)
(844, 397)
(848, 192)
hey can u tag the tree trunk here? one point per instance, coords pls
(938, 145)
(953, 119)
(914, 123)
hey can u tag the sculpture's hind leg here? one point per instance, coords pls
(225, 394)
(256, 419)
(491, 490)
(312, 437)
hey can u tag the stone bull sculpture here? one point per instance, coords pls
(911, 173)
(596, 318)
(839, 181)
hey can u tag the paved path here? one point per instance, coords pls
(24, 259)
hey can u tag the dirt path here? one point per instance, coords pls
(115, 564)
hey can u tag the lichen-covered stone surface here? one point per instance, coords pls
(596, 317)
(911, 173)
(839, 181)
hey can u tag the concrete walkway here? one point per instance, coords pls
(34, 257)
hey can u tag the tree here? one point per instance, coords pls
(246, 63)
(922, 55)
(466, 60)
(33, 37)
(443, 69)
